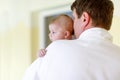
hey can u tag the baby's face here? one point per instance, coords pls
(56, 32)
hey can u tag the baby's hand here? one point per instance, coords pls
(41, 53)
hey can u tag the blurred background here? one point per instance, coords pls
(23, 32)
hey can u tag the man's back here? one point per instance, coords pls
(87, 58)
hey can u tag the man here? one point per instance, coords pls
(92, 56)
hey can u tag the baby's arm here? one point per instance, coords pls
(41, 53)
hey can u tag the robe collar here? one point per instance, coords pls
(99, 34)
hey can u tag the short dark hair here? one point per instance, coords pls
(101, 11)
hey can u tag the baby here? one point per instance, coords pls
(60, 27)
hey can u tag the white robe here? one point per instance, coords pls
(91, 57)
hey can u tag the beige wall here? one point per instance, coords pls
(115, 30)
(19, 36)
(19, 33)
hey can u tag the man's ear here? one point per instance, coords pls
(85, 19)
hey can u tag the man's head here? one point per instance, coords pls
(61, 27)
(92, 13)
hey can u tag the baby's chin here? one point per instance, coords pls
(52, 40)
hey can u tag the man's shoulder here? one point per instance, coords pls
(60, 43)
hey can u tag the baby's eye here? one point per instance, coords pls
(53, 32)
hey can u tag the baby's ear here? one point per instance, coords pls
(67, 34)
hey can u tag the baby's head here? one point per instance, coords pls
(61, 27)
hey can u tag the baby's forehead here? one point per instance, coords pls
(54, 26)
